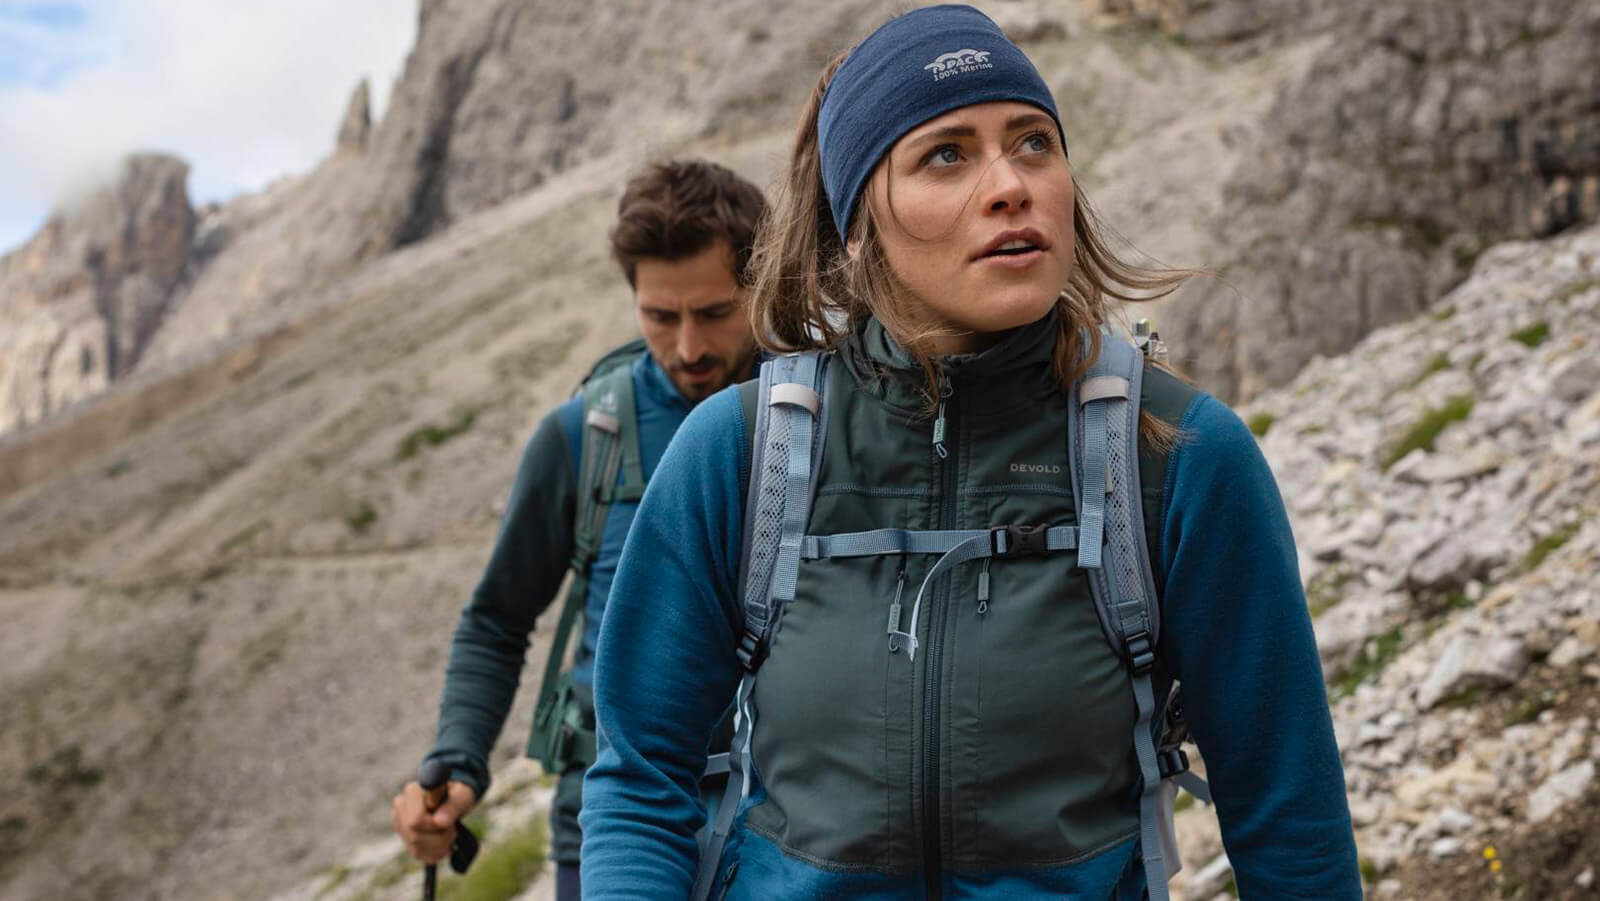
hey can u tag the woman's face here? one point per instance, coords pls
(974, 212)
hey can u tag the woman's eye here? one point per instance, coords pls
(1038, 142)
(947, 155)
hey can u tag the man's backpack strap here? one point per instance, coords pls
(785, 452)
(610, 447)
(1103, 431)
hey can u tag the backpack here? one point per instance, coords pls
(563, 731)
(789, 433)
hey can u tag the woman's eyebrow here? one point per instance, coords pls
(1022, 120)
(940, 134)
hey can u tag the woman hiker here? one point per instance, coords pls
(932, 241)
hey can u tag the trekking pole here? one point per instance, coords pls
(434, 777)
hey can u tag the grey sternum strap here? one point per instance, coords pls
(955, 547)
(787, 449)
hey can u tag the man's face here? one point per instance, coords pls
(692, 314)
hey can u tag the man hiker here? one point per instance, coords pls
(683, 237)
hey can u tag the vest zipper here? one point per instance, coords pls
(939, 421)
(894, 611)
(983, 587)
(944, 430)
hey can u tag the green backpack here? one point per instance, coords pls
(563, 734)
(789, 428)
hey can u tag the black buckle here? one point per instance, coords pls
(1171, 762)
(1140, 653)
(752, 651)
(565, 737)
(1019, 541)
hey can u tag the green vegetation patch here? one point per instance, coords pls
(1426, 430)
(299, 380)
(336, 877)
(434, 435)
(1259, 423)
(1573, 289)
(1439, 363)
(502, 870)
(1548, 545)
(1326, 589)
(361, 519)
(242, 537)
(1532, 335)
(1444, 313)
(1375, 657)
(119, 468)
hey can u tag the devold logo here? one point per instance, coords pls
(959, 63)
(1033, 467)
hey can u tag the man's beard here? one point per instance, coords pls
(723, 374)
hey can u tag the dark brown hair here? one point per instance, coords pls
(809, 292)
(676, 209)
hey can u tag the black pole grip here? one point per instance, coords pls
(434, 777)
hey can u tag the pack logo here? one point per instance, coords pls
(1052, 469)
(959, 63)
(608, 402)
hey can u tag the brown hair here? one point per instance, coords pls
(809, 292)
(676, 209)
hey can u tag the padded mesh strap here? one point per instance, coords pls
(774, 530)
(1092, 512)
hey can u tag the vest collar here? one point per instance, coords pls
(1020, 366)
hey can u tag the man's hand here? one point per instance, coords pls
(428, 836)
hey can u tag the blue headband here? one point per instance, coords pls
(916, 67)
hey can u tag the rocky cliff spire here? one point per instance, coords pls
(357, 122)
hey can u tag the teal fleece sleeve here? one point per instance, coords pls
(1236, 631)
(665, 669)
(530, 558)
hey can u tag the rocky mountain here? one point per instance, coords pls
(231, 551)
(83, 298)
(1334, 166)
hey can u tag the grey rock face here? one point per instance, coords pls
(1423, 131)
(1564, 787)
(83, 299)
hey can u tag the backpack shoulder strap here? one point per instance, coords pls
(610, 447)
(786, 451)
(1103, 436)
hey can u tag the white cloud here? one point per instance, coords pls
(245, 90)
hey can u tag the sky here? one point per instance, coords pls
(245, 90)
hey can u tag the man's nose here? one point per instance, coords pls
(691, 341)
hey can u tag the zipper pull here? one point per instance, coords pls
(894, 612)
(983, 587)
(945, 391)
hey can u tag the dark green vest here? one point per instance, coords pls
(1004, 744)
